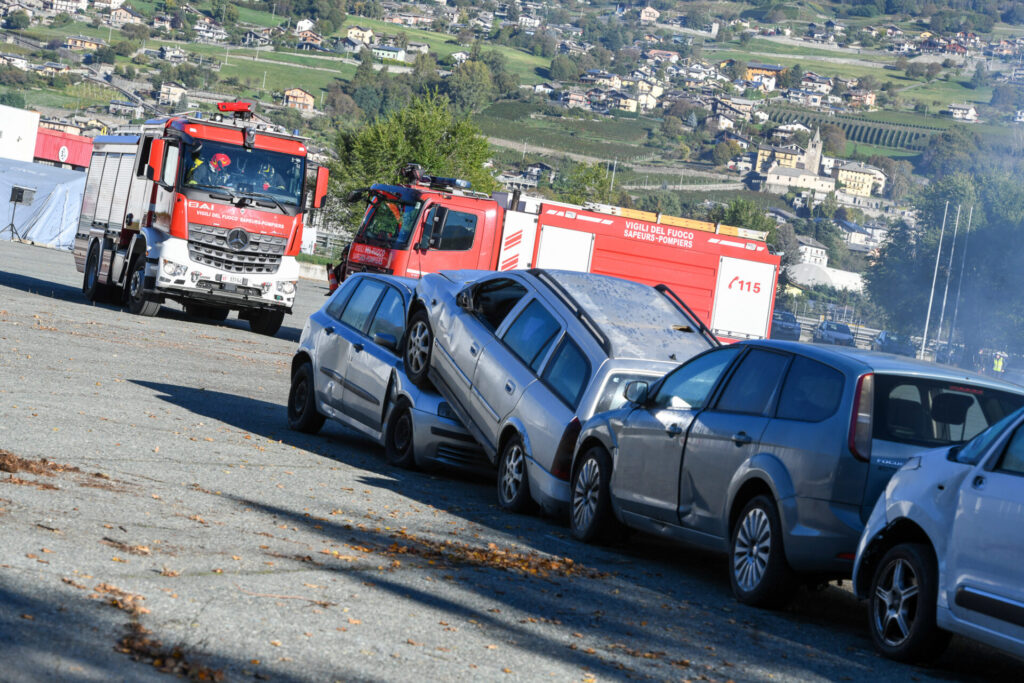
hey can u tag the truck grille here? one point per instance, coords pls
(209, 245)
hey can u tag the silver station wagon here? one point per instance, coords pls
(774, 452)
(525, 356)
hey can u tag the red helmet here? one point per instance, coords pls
(220, 161)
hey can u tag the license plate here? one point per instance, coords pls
(234, 279)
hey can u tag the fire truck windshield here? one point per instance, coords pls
(253, 172)
(389, 224)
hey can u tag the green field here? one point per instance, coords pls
(860, 149)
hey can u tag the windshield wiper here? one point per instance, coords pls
(264, 195)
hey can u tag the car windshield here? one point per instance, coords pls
(785, 317)
(973, 450)
(275, 176)
(389, 223)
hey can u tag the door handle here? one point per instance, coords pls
(673, 430)
(357, 347)
(979, 482)
(741, 439)
(474, 349)
(328, 331)
(510, 386)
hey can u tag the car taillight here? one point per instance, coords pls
(860, 420)
(562, 465)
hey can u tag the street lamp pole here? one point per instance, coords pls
(935, 276)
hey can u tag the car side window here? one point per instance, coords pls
(336, 304)
(495, 299)
(689, 386)
(458, 232)
(811, 392)
(567, 373)
(532, 334)
(360, 306)
(390, 315)
(1013, 457)
(752, 386)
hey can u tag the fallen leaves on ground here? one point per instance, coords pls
(141, 646)
(121, 599)
(124, 547)
(9, 462)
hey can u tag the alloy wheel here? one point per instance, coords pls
(894, 605)
(585, 494)
(515, 470)
(752, 549)
(418, 347)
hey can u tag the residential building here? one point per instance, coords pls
(304, 25)
(171, 93)
(459, 57)
(125, 15)
(421, 48)
(297, 98)
(649, 15)
(1019, 116)
(759, 69)
(258, 37)
(782, 179)
(602, 78)
(69, 6)
(360, 34)
(573, 99)
(310, 37)
(84, 43)
(390, 52)
(859, 179)
(663, 56)
(963, 112)
(526, 21)
(860, 98)
(107, 5)
(806, 98)
(814, 83)
(132, 110)
(173, 54)
(16, 61)
(812, 251)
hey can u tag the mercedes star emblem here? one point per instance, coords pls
(238, 239)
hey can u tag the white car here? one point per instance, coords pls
(943, 549)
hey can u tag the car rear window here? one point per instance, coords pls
(811, 392)
(929, 412)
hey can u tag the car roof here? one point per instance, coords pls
(863, 360)
(406, 284)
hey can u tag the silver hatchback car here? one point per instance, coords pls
(348, 368)
(774, 452)
(943, 550)
(525, 356)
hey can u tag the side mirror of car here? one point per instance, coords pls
(388, 341)
(464, 300)
(636, 392)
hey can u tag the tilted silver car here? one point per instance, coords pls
(774, 452)
(348, 368)
(525, 356)
(943, 549)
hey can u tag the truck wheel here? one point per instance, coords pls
(135, 294)
(758, 570)
(302, 413)
(513, 480)
(266, 322)
(419, 342)
(91, 287)
(398, 440)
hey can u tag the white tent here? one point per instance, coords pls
(56, 201)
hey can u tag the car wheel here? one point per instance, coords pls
(398, 441)
(902, 612)
(135, 290)
(91, 287)
(758, 570)
(513, 482)
(303, 415)
(591, 516)
(419, 343)
(266, 322)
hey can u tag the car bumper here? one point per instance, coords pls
(820, 535)
(550, 492)
(440, 441)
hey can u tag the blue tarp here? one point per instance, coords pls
(52, 217)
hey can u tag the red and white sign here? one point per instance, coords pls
(369, 255)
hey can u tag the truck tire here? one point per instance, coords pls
(91, 287)
(134, 290)
(266, 322)
(419, 342)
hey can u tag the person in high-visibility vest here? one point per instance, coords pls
(997, 363)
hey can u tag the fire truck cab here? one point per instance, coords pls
(207, 212)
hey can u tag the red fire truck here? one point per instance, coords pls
(725, 274)
(207, 212)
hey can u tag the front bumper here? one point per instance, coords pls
(439, 441)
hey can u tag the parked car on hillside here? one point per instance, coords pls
(785, 326)
(524, 357)
(943, 549)
(774, 452)
(888, 342)
(348, 368)
(829, 332)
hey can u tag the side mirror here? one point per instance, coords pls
(322, 176)
(156, 160)
(388, 341)
(356, 195)
(464, 300)
(431, 232)
(636, 392)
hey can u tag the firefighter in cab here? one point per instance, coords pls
(212, 173)
(269, 177)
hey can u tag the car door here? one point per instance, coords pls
(369, 366)
(986, 545)
(470, 330)
(725, 436)
(453, 238)
(349, 320)
(645, 479)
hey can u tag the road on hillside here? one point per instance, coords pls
(176, 524)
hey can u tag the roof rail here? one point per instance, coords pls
(704, 329)
(577, 310)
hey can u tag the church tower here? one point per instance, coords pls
(812, 159)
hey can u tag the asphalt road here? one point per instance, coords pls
(199, 534)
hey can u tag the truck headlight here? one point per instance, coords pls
(286, 287)
(173, 269)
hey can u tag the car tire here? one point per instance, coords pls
(513, 480)
(91, 287)
(399, 447)
(419, 342)
(590, 506)
(303, 415)
(758, 570)
(135, 290)
(901, 615)
(266, 322)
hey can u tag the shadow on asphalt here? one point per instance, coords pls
(72, 294)
(691, 577)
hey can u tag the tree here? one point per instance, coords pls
(950, 151)
(833, 140)
(980, 78)
(586, 183)
(932, 70)
(470, 86)
(724, 151)
(828, 207)
(744, 213)
(563, 69)
(104, 55)
(17, 20)
(13, 98)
